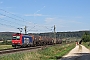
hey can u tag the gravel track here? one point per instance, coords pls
(80, 52)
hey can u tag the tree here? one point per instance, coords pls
(86, 37)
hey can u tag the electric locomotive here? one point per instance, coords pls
(21, 40)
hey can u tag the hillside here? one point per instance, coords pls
(6, 35)
(78, 34)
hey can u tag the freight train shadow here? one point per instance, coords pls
(79, 56)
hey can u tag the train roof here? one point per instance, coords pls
(20, 34)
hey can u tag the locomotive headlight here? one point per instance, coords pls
(18, 42)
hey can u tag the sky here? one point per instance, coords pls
(42, 15)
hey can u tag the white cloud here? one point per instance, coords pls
(63, 24)
(7, 29)
(75, 22)
(49, 20)
(2, 16)
(36, 13)
(33, 14)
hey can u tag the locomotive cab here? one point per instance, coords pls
(16, 40)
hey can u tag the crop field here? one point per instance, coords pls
(50, 53)
(5, 47)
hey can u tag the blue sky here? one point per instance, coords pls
(42, 15)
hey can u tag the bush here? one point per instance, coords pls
(86, 37)
(5, 42)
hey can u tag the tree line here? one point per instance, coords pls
(85, 35)
(77, 34)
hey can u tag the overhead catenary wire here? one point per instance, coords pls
(13, 15)
(8, 25)
(44, 28)
(10, 17)
(21, 20)
(9, 21)
(20, 17)
(14, 18)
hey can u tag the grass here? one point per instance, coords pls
(51, 53)
(86, 44)
(5, 47)
(56, 52)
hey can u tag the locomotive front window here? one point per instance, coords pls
(16, 38)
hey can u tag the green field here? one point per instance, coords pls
(51, 53)
(5, 47)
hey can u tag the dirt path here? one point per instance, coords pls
(78, 53)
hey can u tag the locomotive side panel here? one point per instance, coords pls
(27, 40)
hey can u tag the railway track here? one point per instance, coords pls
(18, 50)
(12, 50)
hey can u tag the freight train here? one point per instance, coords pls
(23, 40)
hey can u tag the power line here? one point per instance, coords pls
(19, 17)
(9, 17)
(21, 20)
(30, 29)
(44, 28)
(10, 22)
(13, 15)
(8, 25)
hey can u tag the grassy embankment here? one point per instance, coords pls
(50, 53)
(86, 44)
(5, 44)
